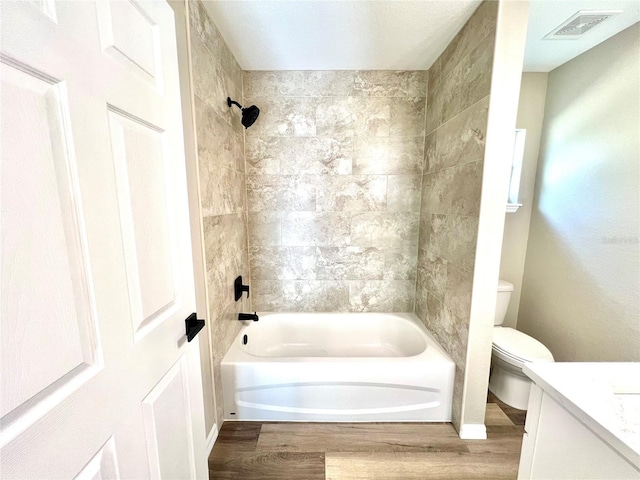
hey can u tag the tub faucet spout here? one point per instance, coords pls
(248, 316)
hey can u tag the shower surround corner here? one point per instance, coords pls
(355, 191)
(456, 128)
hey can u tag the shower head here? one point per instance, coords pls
(249, 114)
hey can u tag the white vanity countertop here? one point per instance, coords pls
(603, 396)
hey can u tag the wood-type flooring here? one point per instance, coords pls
(349, 451)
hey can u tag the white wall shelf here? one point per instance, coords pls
(513, 207)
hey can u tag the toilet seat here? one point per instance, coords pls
(519, 348)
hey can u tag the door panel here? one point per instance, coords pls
(103, 465)
(166, 418)
(141, 162)
(48, 7)
(98, 380)
(128, 33)
(51, 343)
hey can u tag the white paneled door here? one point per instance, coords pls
(98, 379)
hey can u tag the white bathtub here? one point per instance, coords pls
(350, 367)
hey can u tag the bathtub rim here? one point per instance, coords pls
(433, 349)
(432, 368)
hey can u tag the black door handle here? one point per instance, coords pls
(193, 326)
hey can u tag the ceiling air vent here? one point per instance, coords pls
(580, 23)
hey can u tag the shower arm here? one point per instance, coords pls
(233, 102)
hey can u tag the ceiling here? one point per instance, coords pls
(388, 34)
(545, 15)
(339, 35)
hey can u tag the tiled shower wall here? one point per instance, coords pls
(458, 99)
(220, 140)
(346, 200)
(334, 173)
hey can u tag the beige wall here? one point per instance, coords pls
(580, 292)
(220, 149)
(458, 102)
(533, 91)
(334, 165)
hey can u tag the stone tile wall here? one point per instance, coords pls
(349, 206)
(334, 175)
(458, 99)
(220, 139)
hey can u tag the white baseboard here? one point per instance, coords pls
(473, 431)
(211, 439)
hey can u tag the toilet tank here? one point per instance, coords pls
(502, 302)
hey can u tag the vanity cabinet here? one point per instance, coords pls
(564, 441)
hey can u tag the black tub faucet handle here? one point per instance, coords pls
(239, 288)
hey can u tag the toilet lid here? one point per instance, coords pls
(519, 345)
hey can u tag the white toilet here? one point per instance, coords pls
(512, 349)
